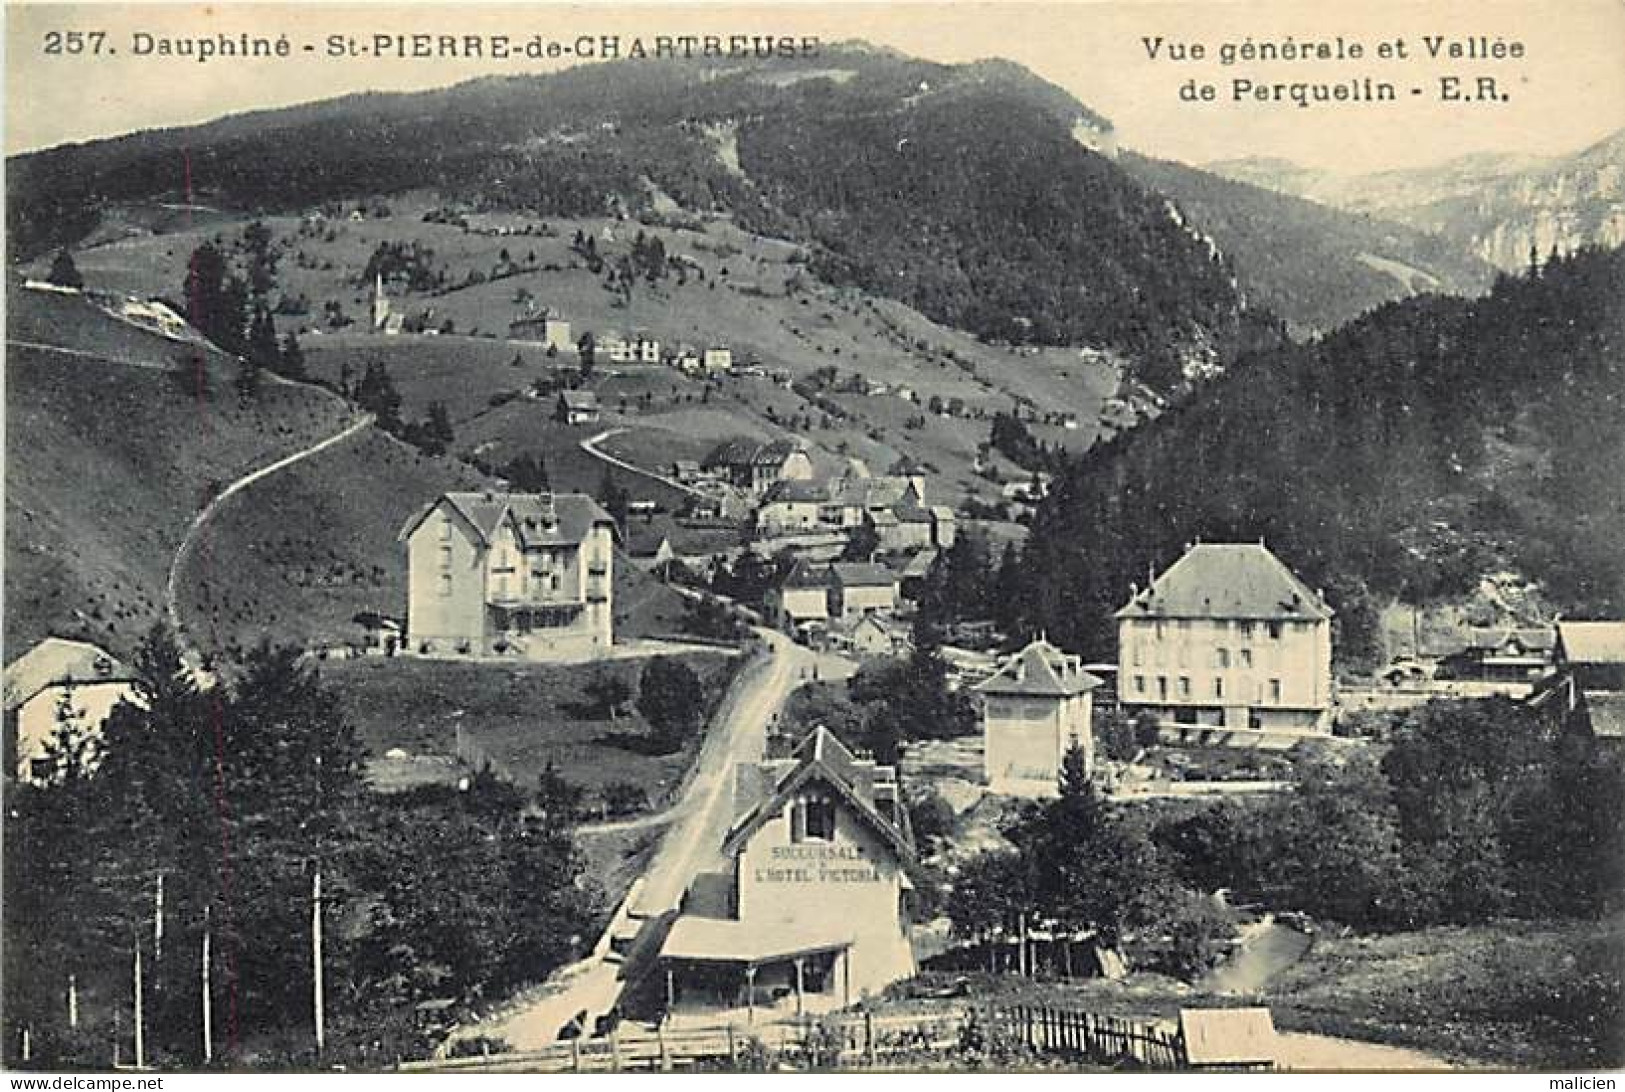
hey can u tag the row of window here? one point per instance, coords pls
(1221, 656)
(1183, 687)
(1271, 630)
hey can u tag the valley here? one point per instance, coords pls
(663, 545)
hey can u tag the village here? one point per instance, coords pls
(610, 633)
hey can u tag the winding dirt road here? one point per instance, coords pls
(194, 532)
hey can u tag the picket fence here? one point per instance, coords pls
(846, 1041)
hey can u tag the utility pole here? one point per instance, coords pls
(73, 1002)
(158, 921)
(316, 954)
(208, 1015)
(140, 1025)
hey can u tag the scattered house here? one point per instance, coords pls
(1035, 708)
(912, 572)
(894, 506)
(687, 361)
(645, 350)
(808, 910)
(876, 635)
(1587, 691)
(1594, 653)
(510, 574)
(861, 587)
(791, 506)
(1228, 1039)
(716, 360)
(801, 597)
(686, 471)
(611, 346)
(656, 560)
(1028, 490)
(1502, 655)
(60, 678)
(753, 465)
(706, 506)
(1227, 637)
(577, 407)
(542, 329)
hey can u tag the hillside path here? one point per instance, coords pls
(86, 354)
(692, 842)
(590, 446)
(189, 652)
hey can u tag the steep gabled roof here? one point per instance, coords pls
(1592, 642)
(743, 451)
(56, 661)
(804, 574)
(862, 574)
(1227, 580)
(1040, 670)
(579, 399)
(539, 519)
(821, 757)
(796, 491)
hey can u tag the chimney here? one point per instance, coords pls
(550, 513)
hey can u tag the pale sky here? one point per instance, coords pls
(1566, 92)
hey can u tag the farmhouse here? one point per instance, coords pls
(1504, 655)
(510, 574)
(752, 465)
(1035, 709)
(806, 909)
(577, 407)
(542, 329)
(875, 635)
(801, 597)
(791, 506)
(716, 360)
(1588, 688)
(59, 678)
(858, 588)
(1594, 652)
(1227, 637)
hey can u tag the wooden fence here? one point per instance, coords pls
(849, 1041)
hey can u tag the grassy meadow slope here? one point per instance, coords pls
(106, 463)
(748, 292)
(1319, 266)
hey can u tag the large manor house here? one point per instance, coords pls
(525, 575)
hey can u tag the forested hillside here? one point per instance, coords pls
(1317, 264)
(1403, 456)
(959, 190)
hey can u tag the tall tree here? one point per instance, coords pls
(64, 272)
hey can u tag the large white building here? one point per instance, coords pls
(807, 909)
(1035, 709)
(510, 574)
(1227, 637)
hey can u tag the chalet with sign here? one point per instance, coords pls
(524, 575)
(806, 907)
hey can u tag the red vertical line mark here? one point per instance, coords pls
(217, 709)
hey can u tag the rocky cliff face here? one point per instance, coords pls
(1499, 207)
